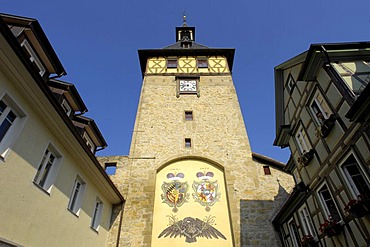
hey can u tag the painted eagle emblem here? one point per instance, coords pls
(191, 229)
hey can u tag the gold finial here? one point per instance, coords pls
(184, 24)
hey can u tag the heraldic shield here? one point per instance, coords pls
(174, 194)
(206, 191)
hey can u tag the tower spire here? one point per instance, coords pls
(184, 24)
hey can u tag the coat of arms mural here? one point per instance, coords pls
(206, 191)
(175, 192)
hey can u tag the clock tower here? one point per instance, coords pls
(191, 178)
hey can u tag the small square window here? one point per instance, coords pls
(266, 169)
(188, 115)
(172, 63)
(187, 142)
(202, 63)
(110, 168)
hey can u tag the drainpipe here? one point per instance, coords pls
(120, 224)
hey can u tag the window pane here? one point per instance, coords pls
(188, 115)
(267, 171)
(355, 74)
(329, 203)
(110, 170)
(358, 182)
(2, 107)
(294, 233)
(202, 63)
(172, 63)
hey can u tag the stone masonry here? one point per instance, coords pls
(217, 134)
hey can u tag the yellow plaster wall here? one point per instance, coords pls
(187, 65)
(191, 208)
(29, 216)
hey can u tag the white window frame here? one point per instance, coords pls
(77, 194)
(97, 214)
(322, 106)
(293, 238)
(323, 202)
(348, 178)
(33, 57)
(13, 132)
(66, 107)
(306, 221)
(302, 140)
(90, 144)
(51, 173)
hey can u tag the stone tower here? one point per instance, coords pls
(191, 177)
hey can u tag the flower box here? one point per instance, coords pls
(325, 128)
(306, 158)
(308, 241)
(358, 208)
(331, 228)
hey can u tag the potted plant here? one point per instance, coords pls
(326, 126)
(306, 157)
(330, 227)
(308, 241)
(358, 208)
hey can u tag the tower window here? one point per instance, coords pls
(202, 63)
(188, 115)
(187, 142)
(110, 168)
(266, 169)
(172, 63)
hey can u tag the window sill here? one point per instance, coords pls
(95, 230)
(75, 214)
(41, 188)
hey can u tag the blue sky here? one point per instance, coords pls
(97, 43)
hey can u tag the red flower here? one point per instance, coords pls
(327, 223)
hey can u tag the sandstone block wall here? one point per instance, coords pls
(218, 134)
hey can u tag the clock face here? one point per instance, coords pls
(188, 85)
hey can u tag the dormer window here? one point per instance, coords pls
(356, 74)
(90, 144)
(33, 57)
(66, 107)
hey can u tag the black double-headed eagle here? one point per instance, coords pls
(191, 229)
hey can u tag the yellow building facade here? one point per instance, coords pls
(53, 191)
